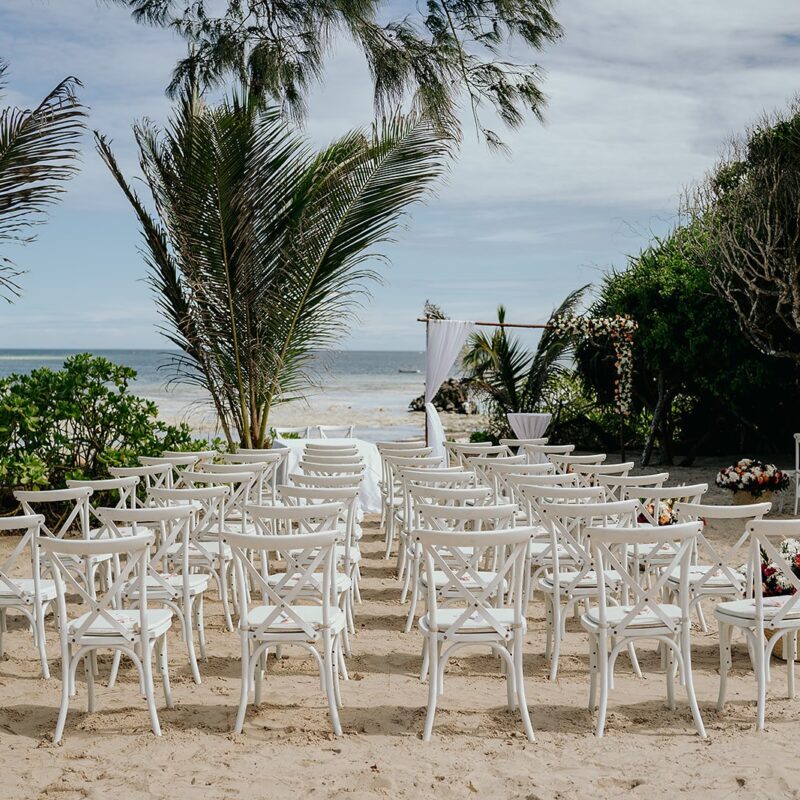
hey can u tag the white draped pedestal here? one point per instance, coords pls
(370, 493)
(529, 426)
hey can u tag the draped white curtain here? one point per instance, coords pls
(446, 337)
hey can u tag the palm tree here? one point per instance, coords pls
(259, 249)
(508, 377)
(38, 149)
(439, 51)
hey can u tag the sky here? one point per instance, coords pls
(642, 97)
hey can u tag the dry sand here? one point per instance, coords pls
(478, 749)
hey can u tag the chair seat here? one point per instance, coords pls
(47, 590)
(718, 582)
(440, 579)
(746, 609)
(343, 582)
(588, 581)
(212, 547)
(159, 621)
(539, 549)
(474, 624)
(665, 553)
(644, 619)
(257, 615)
(197, 584)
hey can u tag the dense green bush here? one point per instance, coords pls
(76, 422)
(702, 385)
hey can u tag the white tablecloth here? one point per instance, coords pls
(370, 493)
(530, 426)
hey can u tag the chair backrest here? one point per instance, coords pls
(766, 550)
(457, 452)
(315, 468)
(198, 456)
(590, 473)
(242, 489)
(208, 504)
(620, 550)
(170, 526)
(413, 444)
(152, 476)
(444, 517)
(29, 525)
(302, 431)
(271, 462)
(498, 472)
(324, 460)
(308, 578)
(722, 562)
(75, 519)
(563, 463)
(125, 489)
(336, 431)
(567, 522)
(657, 504)
(615, 484)
(519, 442)
(482, 465)
(322, 446)
(458, 556)
(326, 481)
(533, 497)
(290, 520)
(133, 554)
(538, 453)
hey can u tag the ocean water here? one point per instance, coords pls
(362, 386)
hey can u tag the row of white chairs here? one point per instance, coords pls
(317, 431)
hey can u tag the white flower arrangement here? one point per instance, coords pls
(620, 330)
(750, 475)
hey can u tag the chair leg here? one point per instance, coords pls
(790, 642)
(412, 609)
(88, 669)
(556, 634)
(670, 675)
(522, 701)
(245, 691)
(592, 671)
(329, 666)
(423, 673)
(149, 688)
(223, 596)
(201, 630)
(725, 632)
(41, 643)
(112, 678)
(163, 668)
(637, 670)
(65, 695)
(686, 653)
(761, 678)
(602, 660)
(433, 686)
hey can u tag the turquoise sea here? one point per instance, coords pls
(365, 386)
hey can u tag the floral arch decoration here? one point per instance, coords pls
(620, 331)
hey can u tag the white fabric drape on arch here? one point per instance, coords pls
(445, 338)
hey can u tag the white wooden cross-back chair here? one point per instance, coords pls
(298, 431)
(458, 452)
(336, 431)
(177, 464)
(501, 471)
(635, 613)
(74, 521)
(716, 569)
(170, 581)
(207, 551)
(29, 596)
(135, 632)
(450, 510)
(298, 609)
(571, 578)
(763, 620)
(272, 462)
(482, 466)
(516, 445)
(540, 453)
(103, 491)
(484, 610)
(242, 488)
(194, 458)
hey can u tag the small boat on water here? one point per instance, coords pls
(409, 371)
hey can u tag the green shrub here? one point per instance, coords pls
(77, 422)
(484, 436)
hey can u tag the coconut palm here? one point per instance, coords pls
(260, 249)
(510, 378)
(38, 149)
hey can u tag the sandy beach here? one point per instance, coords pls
(478, 748)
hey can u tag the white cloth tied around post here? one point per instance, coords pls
(445, 338)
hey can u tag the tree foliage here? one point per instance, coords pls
(695, 373)
(76, 422)
(260, 249)
(746, 226)
(38, 150)
(438, 52)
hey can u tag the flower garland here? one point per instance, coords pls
(620, 331)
